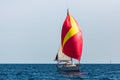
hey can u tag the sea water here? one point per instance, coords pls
(49, 72)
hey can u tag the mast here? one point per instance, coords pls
(67, 11)
(71, 60)
(68, 14)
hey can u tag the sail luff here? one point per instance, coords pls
(56, 58)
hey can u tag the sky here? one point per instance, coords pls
(30, 30)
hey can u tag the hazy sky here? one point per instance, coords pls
(30, 30)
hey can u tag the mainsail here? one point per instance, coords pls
(61, 56)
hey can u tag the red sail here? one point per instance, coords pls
(71, 38)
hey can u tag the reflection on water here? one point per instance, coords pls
(71, 73)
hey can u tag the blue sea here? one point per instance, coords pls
(49, 72)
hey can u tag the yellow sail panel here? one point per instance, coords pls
(73, 30)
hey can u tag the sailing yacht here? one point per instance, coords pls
(70, 46)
